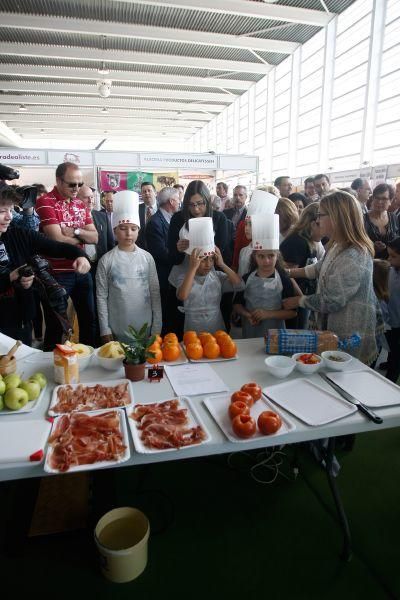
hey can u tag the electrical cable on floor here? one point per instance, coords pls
(268, 462)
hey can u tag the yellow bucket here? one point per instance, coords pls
(121, 538)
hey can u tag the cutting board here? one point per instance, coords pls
(20, 439)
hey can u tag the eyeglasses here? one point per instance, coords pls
(319, 215)
(196, 204)
(72, 185)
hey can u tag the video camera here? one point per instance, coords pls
(48, 287)
(27, 193)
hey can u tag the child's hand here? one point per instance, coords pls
(219, 261)
(106, 338)
(195, 259)
(258, 314)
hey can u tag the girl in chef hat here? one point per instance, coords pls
(266, 283)
(128, 292)
(198, 284)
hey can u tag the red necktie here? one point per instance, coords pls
(148, 214)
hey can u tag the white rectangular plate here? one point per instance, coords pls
(218, 407)
(210, 360)
(27, 408)
(369, 387)
(100, 464)
(309, 402)
(181, 360)
(20, 439)
(112, 383)
(193, 421)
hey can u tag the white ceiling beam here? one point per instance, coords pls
(133, 58)
(8, 137)
(94, 102)
(91, 90)
(104, 122)
(101, 126)
(244, 8)
(134, 31)
(8, 111)
(89, 136)
(126, 76)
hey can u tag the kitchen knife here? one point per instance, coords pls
(361, 407)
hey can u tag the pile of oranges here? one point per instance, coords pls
(206, 345)
(167, 349)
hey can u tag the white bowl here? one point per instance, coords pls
(84, 360)
(307, 369)
(111, 364)
(280, 366)
(336, 365)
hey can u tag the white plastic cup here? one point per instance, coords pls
(121, 537)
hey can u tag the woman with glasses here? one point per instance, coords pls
(381, 226)
(303, 247)
(344, 301)
(196, 203)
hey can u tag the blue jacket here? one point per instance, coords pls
(156, 235)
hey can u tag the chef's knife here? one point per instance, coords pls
(361, 407)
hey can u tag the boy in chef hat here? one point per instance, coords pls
(266, 283)
(198, 284)
(128, 292)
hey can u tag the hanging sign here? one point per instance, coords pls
(83, 159)
(11, 156)
(178, 161)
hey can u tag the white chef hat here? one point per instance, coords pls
(265, 232)
(261, 203)
(125, 208)
(201, 235)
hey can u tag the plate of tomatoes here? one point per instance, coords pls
(247, 415)
(166, 351)
(207, 347)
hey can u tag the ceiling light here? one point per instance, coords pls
(163, 133)
(105, 131)
(103, 69)
(104, 110)
(42, 131)
(22, 108)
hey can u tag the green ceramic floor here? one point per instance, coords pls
(231, 537)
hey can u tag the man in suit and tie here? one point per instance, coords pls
(156, 237)
(238, 212)
(147, 209)
(107, 202)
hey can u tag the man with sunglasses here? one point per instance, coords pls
(65, 218)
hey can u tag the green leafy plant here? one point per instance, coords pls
(136, 350)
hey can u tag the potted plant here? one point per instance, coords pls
(136, 351)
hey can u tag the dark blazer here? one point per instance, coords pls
(106, 236)
(141, 241)
(156, 235)
(229, 212)
(221, 236)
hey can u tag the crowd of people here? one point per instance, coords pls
(183, 259)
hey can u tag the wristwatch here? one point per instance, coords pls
(77, 232)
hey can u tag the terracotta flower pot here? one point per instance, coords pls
(134, 372)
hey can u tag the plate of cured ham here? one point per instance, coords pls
(86, 441)
(166, 426)
(84, 397)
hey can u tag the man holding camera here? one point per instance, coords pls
(65, 218)
(17, 247)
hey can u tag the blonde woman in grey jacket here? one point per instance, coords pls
(345, 301)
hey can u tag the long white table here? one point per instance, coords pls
(249, 367)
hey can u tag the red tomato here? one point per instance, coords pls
(244, 426)
(253, 389)
(238, 408)
(243, 397)
(269, 422)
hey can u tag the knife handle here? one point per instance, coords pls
(369, 413)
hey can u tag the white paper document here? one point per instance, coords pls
(195, 379)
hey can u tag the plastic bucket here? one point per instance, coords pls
(121, 538)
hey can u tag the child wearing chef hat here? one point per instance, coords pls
(128, 292)
(198, 284)
(266, 283)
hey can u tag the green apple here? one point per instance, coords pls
(1, 402)
(40, 378)
(32, 388)
(12, 381)
(2, 387)
(16, 398)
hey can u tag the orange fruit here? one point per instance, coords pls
(171, 352)
(158, 355)
(220, 335)
(158, 339)
(194, 350)
(154, 346)
(205, 338)
(190, 337)
(211, 350)
(171, 337)
(228, 348)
